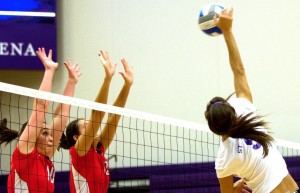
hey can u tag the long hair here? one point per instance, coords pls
(223, 120)
(67, 140)
(8, 135)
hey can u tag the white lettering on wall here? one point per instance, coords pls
(29, 51)
(16, 49)
(3, 49)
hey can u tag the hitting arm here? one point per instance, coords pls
(242, 88)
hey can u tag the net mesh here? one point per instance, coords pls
(149, 153)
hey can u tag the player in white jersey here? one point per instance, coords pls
(246, 151)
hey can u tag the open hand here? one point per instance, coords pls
(128, 73)
(107, 64)
(74, 71)
(225, 20)
(47, 60)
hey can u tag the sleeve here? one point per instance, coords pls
(242, 106)
(227, 162)
(22, 162)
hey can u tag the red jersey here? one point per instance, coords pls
(31, 172)
(89, 173)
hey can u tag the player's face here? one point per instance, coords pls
(45, 141)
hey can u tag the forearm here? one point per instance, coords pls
(64, 109)
(109, 130)
(234, 54)
(103, 93)
(120, 102)
(41, 105)
(101, 98)
(242, 88)
(46, 84)
(113, 119)
(97, 116)
(123, 95)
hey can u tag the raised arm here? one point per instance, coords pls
(242, 88)
(85, 140)
(109, 130)
(62, 111)
(28, 138)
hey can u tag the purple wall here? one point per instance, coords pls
(18, 43)
(21, 36)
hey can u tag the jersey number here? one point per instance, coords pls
(254, 144)
(106, 170)
(50, 174)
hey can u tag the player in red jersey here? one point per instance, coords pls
(89, 169)
(31, 166)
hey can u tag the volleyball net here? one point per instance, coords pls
(149, 153)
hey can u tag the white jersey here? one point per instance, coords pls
(244, 158)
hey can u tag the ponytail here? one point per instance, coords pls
(7, 135)
(67, 141)
(222, 120)
(63, 143)
(247, 127)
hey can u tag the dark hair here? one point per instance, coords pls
(223, 120)
(67, 141)
(8, 135)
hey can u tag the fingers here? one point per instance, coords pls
(49, 54)
(229, 11)
(42, 53)
(128, 72)
(76, 67)
(104, 57)
(79, 74)
(122, 74)
(103, 54)
(67, 63)
(215, 19)
(107, 56)
(223, 11)
(126, 65)
(246, 189)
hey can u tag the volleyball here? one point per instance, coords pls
(205, 20)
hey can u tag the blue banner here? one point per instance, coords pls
(24, 27)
